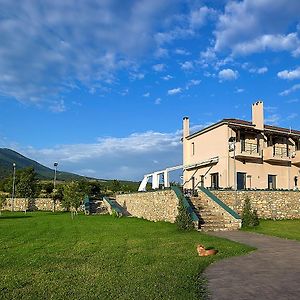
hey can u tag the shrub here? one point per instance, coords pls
(2, 201)
(115, 214)
(249, 216)
(183, 219)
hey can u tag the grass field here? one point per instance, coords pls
(289, 229)
(51, 256)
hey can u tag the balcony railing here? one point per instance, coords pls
(250, 148)
(276, 154)
(246, 150)
(280, 152)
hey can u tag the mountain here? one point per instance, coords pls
(8, 157)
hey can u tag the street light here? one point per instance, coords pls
(54, 184)
(13, 187)
(55, 170)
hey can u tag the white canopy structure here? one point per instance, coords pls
(155, 176)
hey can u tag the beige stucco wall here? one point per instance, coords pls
(269, 204)
(211, 144)
(153, 206)
(214, 142)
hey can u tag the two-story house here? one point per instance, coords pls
(240, 154)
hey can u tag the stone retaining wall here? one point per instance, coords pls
(153, 206)
(21, 204)
(269, 204)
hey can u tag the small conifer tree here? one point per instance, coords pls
(183, 219)
(249, 216)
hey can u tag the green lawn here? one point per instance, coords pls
(51, 256)
(289, 229)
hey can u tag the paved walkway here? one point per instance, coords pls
(270, 272)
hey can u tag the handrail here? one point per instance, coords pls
(113, 205)
(185, 203)
(220, 203)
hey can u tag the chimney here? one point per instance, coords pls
(186, 127)
(258, 115)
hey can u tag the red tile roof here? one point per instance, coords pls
(247, 123)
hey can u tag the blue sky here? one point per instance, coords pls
(102, 86)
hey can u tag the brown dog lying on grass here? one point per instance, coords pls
(203, 252)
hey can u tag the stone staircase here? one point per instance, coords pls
(213, 214)
(98, 207)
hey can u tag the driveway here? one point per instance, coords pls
(271, 272)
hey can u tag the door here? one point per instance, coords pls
(272, 182)
(241, 181)
(214, 177)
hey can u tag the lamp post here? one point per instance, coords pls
(13, 187)
(55, 171)
(54, 184)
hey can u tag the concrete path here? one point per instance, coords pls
(271, 272)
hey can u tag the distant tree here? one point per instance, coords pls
(116, 186)
(72, 196)
(48, 187)
(2, 201)
(26, 183)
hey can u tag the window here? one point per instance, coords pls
(193, 148)
(272, 182)
(241, 180)
(214, 177)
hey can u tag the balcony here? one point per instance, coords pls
(276, 154)
(246, 151)
(296, 158)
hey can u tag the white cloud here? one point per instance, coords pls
(278, 42)
(187, 66)
(292, 116)
(46, 49)
(157, 101)
(146, 94)
(180, 51)
(175, 91)
(161, 52)
(136, 76)
(249, 26)
(290, 90)
(289, 74)
(261, 70)
(192, 82)
(273, 119)
(199, 16)
(159, 67)
(127, 157)
(228, 74)
(167, 77)
(57, 106)
(163, 38)
(238, 91)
